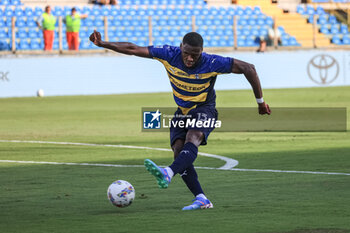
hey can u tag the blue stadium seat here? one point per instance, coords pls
(254, 32)
(242, 21)
(231, 11)
(205, 11)
(251, 22)
(241, 42)
(23, 45)
(336, 40)
(248, 11)
(263, 32)
(344, 29)
(269, 21)
(3, 34)
(178, 12)
(5, 2)
(335, 29)
(21, 33)
(35, 45)
(322, 20)
(100, 23)
(31, 22)
(2, 22)
(320, 10)
(293, 41)
(16, 2)
(38, 11)
(257, 10)
(310, 10)
(324, 29)
(8, 12)
(18, 12)
(300, 10)
(32, 33)
(332, 19)
(250, 42)
(346, 39)
(239, 11)
(4, 45)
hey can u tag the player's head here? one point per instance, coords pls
(74, 10)
(191, 49)
(48, 9)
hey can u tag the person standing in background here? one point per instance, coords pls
(46, 23)
(72, 22)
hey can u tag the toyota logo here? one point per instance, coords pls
(323, 69)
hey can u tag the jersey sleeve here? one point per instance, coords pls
(163, 52)
(221, 64)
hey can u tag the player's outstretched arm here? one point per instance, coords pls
(120, 47)
(241, 67)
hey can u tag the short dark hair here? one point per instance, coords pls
(74, 9)
(193, 39)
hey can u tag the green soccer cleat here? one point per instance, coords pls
(163, 179)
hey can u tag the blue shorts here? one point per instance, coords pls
(204, 113)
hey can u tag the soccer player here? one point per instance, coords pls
(192, 74)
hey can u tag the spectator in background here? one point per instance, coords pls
(262, 45)
(46, 22)
(72, 22)
(271, 36)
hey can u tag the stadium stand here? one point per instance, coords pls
(326, 23)
(293, 23)
(170, 20)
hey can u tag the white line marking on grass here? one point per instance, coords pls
(229, 163)
(284, 171)
(206, 168)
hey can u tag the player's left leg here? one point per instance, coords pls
(189, 176)
(194, 138)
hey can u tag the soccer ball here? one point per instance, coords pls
(121, 193)
(40, 93)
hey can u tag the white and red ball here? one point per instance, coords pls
(121, 193)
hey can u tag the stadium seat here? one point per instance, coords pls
(334, 29)
(292, 41)
(34, 45)
(3, 34)
(346, 39)
(30, 22)
(4, 45)
(18, 12)
(32, 33)
(344, 29)
(332, 19)
(324, 29)
(21, 33)
(239, 11)
(38, 11)
(23, 45)
(336, 40)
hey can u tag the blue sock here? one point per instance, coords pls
(185, 158)
(190, 177)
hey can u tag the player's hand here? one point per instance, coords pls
(95, 38)
(264, 109)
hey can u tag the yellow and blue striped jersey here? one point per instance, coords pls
(192, 87)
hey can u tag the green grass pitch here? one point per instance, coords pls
(62, 198)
